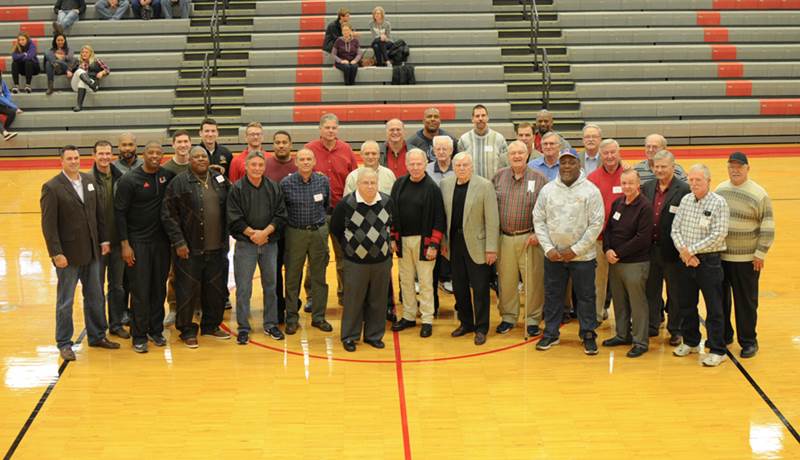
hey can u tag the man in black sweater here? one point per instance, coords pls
(144, 243)
(362, 223)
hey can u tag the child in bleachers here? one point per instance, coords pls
(23, 60)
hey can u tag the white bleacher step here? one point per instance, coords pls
(56, 137)
(330, 76)
(481, 92)
(90, 118)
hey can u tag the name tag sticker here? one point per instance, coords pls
(616, 215)
(90, 187)
(318, 197)
(531, 185)
(704, 222)
(220, 179)
(673, 209)
(616, 189)
(488, 148)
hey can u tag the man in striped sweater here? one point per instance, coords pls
(750, 234)
(486, 146)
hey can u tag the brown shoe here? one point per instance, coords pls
(105, 343)
(191, 342)
(480, 338)
(218, 333)
(460, 331)
(67, 354)
(121, 333)
(291, 328)
(675, 340)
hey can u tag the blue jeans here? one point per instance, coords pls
(66, 18)
(245, 257)
(113, 270)
(102, 8)
(183, 5)
(93, 302)
(556, 275)
(136, 6)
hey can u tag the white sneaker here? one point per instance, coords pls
(170, 319)
(684, 350)
(448, 287)
(713, 360)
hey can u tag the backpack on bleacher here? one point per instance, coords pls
(399, 52)
(403, 75)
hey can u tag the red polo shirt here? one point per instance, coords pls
(610, 189)
(335, 163)
(276, 171)
(397, 163)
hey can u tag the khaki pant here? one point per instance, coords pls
(410, 268)
(600, 280)
(511, 266)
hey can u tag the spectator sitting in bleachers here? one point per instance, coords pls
(381, 35)
(146, 9)
(58, 61)
(167, 6)
(112, 9)
(23, 60)
(346, 54)
(8, 109)
(90, 70)
(67, 13)
(334, 29)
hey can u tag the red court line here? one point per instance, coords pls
(401, 394)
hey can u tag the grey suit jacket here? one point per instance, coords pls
(71, 227)
(481, 221)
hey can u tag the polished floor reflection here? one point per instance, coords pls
(419, 398)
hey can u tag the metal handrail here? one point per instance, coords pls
(534, 43)
(546, 80)
(524, 9)
(225, 11)
(215, 36)
(205, 84)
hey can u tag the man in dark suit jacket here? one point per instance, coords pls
(665, 194)
(73, 228)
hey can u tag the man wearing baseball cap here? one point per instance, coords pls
(568, 217)
(751, 232)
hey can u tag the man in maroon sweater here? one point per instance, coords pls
(607, 179)
(626, 243)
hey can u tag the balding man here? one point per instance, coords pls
(128, 159)
(699, 232)
(438, 170)
(653, 144)
(607, 179)
(417, 231)
(626, 243)
(665, 195)
(370, 153)
(486, 146)
(590, 157)
(471, 244)
(520, 256)
(431, 127)
(544, 125)
(393, 153)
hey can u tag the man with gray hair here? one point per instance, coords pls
(417, 231)
(590, 157)
(520, 255)
(442, 164)
(370, 151)
(699, 232)
(548, 164)
(653, 144)
(256, 214)
(470, 204)
(486, 146)
(665, 195)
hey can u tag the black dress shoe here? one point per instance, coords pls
(749, 351)
(291, 328)
(105, 343)
(403, 324)
(375, 344)
(461, 330)
(158, 340)
(615, 341)
(349, 346)
(480, 338)
(636, 351)
(67, 354)
(121, 333)
(533, 331)
(426, 330)
(323, 326)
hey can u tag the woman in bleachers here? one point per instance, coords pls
(23, 61)
(87, 75)
(346, 54)
(7, 109)
(381, 35)
(58, 61)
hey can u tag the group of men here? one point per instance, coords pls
(534, 214)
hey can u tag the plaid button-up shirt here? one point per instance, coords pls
(516, 198)
(701, 225)
(306, 202)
